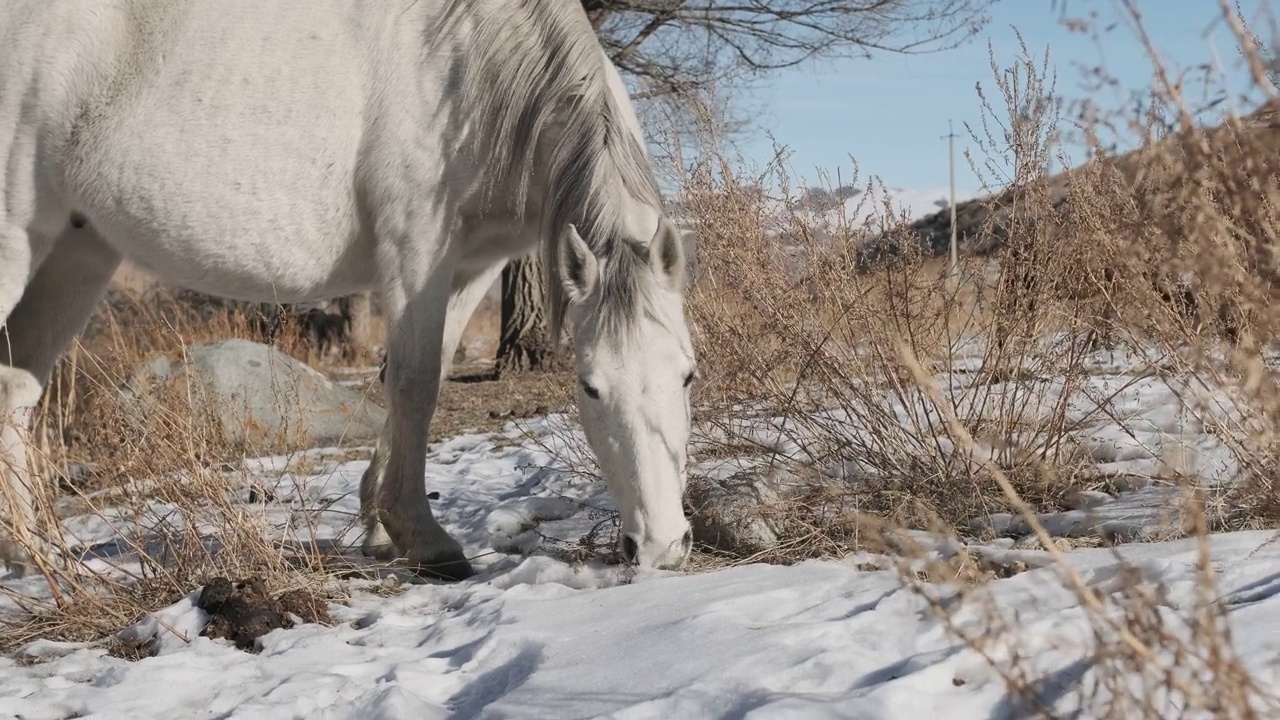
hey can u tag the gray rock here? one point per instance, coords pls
(733, 515)
(260, 396)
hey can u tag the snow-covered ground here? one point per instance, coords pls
(535, 637)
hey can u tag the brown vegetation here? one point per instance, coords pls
(1163, 254)
(1149, 254)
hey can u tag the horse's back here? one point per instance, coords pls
(195, 133)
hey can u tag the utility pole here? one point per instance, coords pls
(954, 266)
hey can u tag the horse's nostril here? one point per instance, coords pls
(687, 541)
(630, 550)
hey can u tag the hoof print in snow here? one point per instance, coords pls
(244, 611)
(518, 414)
(133, 649)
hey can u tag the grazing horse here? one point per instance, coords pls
(283, 151)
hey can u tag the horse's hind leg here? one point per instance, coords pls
(466, 295)
(55, 306)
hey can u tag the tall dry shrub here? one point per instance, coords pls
(844, 351)
(799, 316)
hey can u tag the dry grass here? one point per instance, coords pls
(160, 477)
(1165, 253)
(1159, 255)
(841, 336)
(169, 483)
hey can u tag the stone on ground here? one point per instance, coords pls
(260, 396)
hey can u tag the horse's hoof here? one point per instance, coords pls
(382, 552)
(450, 567)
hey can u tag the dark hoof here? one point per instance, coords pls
(449, 570)
(450, 567)
(385, 552)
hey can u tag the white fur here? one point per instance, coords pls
(272, 150)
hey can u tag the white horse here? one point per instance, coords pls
(283, 151)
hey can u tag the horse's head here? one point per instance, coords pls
(635, 366)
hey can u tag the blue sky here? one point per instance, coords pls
(890, 112)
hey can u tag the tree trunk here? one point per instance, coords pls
(360, 317)
(524, 343)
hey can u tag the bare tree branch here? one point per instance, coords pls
(676, 46)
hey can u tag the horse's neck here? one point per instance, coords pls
(526, 192)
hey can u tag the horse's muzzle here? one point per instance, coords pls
(672, 557)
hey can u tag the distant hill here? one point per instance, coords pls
(934, 230)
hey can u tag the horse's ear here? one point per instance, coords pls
(578, 268)
(667, 254)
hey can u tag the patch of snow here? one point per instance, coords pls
(819, 639)
(532, 636)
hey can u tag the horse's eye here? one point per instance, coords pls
(590, 390)
(688, 379)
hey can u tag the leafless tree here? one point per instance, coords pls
(673, 46)
(674, 52)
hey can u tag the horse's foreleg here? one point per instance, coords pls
(468, 291)
(55, 306)
(393, 491)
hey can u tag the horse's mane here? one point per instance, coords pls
(527, 60)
